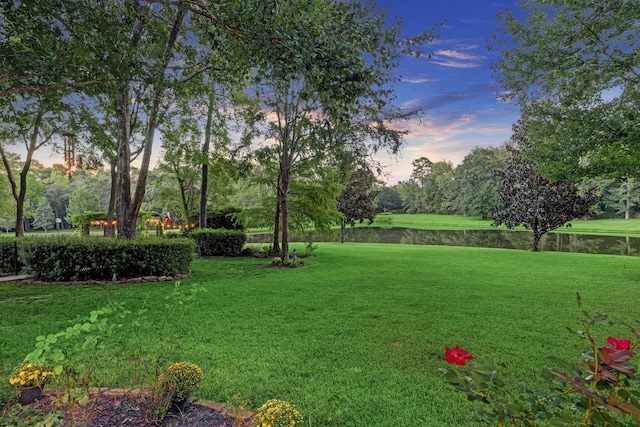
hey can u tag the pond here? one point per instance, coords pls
(614, 245)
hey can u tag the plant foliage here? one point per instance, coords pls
(71, 258)
(531, 200)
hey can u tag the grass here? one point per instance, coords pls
(358, 335)
(611, 227)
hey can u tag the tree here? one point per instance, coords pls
(43, 215)
(438, 189)
(388, 199)
(421, 169)
(624, 197)
(573, 67)
(33, 121)
(181, 152)
(530, 200)
(328, 83)
(83, 200)
(477, 185)
(357, 200)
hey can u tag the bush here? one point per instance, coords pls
(218, 242)
(9, 265)
(96, 258)
(226, 218)
(277, 413)
(181, 379)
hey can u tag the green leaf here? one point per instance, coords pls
(559, 422)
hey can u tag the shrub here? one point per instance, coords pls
(225, 218)
(181, 379)
(603, 390)
(9, 263)
(97, 258)
(277, 413)
(218, 242)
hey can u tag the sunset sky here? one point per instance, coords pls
(455, 87)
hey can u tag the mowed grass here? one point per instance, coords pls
(613, 227)
(357, 336)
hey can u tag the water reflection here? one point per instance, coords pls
(614, 245)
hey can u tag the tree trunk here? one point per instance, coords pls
(536, 241)
(284, 210)
(123, 163)
(128, 209)
(627, 200)
(275, 248)
(108, 231)
(204, 184)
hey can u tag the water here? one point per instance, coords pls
(506, 239)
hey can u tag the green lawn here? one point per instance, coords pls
(613, 227)
(359, 334)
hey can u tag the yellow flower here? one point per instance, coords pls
(29, 374)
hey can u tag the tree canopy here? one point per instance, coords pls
(530, 200)
(574, 68)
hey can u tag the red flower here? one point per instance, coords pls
(617, 344)
(457, 355)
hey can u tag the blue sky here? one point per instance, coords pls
(455, 87)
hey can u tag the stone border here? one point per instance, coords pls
(226, 411)
(141, 279)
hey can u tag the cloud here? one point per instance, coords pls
(417, 80)
(457, 59)
(458, 55)
(443, 137)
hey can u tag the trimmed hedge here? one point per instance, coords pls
(218, 242)
(97, 258)
(9, 265)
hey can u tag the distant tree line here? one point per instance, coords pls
(473, 188)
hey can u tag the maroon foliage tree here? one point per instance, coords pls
(357, 200)
(528, 199)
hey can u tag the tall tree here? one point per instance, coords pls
(83, 200)
(329, 82)
(34, 122)
(181, 152)
(43, 216)
(530, 200)
(624, 197)
(574, 68)
(477, 184)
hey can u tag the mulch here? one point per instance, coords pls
(131, 408)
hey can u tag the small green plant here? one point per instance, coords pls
(603, 390)
(308, 243)
(23, 416)
(181, 379)
(30, 375)
(277, 413)
(294, 264)
(239, 404)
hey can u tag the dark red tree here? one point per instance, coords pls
(357, 200)
(528, 199)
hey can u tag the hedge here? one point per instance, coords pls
(218, 242)
(70, 258)
(9, 265)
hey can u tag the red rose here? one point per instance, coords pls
(457, 355)
(617, 344)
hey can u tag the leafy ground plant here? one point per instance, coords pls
(602, 390)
